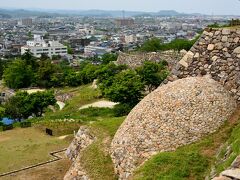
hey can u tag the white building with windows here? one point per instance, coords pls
(38, 47)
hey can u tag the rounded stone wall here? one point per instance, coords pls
(176, 114)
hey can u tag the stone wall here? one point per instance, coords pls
(176, 114)
(82, 140)
(216, 53)
(137, 59)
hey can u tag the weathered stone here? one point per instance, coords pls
(196, 56)
(82, 139)
(217, 33)
(224, 39)
(183, 63)
(237, 50)
(210, 47)
(232, 173)
(183, 52)
(221, 178)
(217, 54)
(135, 60)
(236, 163)
(214, 58)
(226, 31)
(236, 39)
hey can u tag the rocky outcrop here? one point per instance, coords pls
(217, 53)
(176, 114)
(82, 140)
(233, 173)
(134, 60)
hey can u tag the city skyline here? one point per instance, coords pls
(216, 7)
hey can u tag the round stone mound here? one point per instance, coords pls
(174, 115)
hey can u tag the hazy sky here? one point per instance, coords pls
(189, 6)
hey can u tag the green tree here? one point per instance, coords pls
(88, 74)
(18, 75)
(23, 105)
(69, 49)
(45, 72)
(1, 68)
(19, 106)
(126, 88)
(30, 59)
(109, 57)
(151, 45)
(105, 74)
(44, 57)
(152, 74)
(2, 112)
(40, 101)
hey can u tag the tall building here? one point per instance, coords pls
(26, 22)
(124, 22)
(38, 47)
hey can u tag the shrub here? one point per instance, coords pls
(122, 110)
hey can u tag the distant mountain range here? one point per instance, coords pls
(7, 13)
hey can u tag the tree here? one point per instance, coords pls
(23, 105)
(19, 106)
(109, 57)
(2, 113)
(45, 72)
(151, 45)
(29, 59)
(152, 74)
(40, 101)
(18, 75)
(126, 88)
(44, 57)
(106, 73)
(1, 68)
(73, 79)
(88, 74)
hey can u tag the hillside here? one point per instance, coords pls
(214, 136)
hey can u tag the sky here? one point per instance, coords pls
(215, 7)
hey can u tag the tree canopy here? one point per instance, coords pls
(23, 105)
(152, 74)
(18, 74)
(127, 88)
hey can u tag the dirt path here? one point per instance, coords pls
(100, 104)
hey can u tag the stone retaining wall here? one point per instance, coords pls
(82, 140)
(137, 59)
(176, 114)
(216, 53)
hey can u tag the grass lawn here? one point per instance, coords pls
(80, 96)
(23, 147)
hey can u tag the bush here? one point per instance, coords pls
(121, 110)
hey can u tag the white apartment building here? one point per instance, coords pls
(38, 47)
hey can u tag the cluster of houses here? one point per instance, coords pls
(92, 36)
